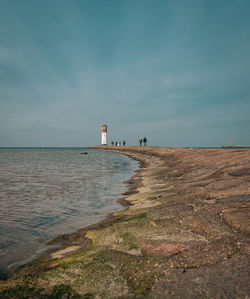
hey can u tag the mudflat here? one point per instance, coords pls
(185, 233)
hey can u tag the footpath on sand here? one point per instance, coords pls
(185, 232)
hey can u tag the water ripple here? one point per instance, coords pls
(45, 193)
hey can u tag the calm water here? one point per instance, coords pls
(48, 192)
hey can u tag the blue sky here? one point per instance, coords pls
(177, 72)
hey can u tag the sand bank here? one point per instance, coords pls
(184, 233)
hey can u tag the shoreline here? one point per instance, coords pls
(36, 252)
(184, 230)
(66, 243)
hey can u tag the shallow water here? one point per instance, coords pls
(48, 192)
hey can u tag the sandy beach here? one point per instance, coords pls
(184, 233)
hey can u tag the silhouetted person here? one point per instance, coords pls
(145, 141)
(124, 142)
(116, 143)
(112, 143)
(140, 141)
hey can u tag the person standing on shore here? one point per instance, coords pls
(124, 142)
(145, 141)
(140, 141)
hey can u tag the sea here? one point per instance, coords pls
(47, 192)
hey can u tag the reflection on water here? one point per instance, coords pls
(48, 192)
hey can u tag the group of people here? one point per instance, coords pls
(118, 143)
(144, 140)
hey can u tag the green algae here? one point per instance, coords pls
(87, 271)
(123, 259)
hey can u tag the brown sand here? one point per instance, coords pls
(200, 199)
(185, 233)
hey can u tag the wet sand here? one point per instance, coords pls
(185, 233)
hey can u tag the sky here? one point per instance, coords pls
(175, 71)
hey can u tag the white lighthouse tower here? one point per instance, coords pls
(104, 135)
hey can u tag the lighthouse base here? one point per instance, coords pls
(104, 139)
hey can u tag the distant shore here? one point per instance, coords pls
(185, 233)
(235, 146)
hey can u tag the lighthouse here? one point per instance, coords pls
(104, 135)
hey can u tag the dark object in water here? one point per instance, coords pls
(84, 153)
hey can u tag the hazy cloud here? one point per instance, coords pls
(176, 72)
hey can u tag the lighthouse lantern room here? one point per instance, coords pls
(104, 135)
